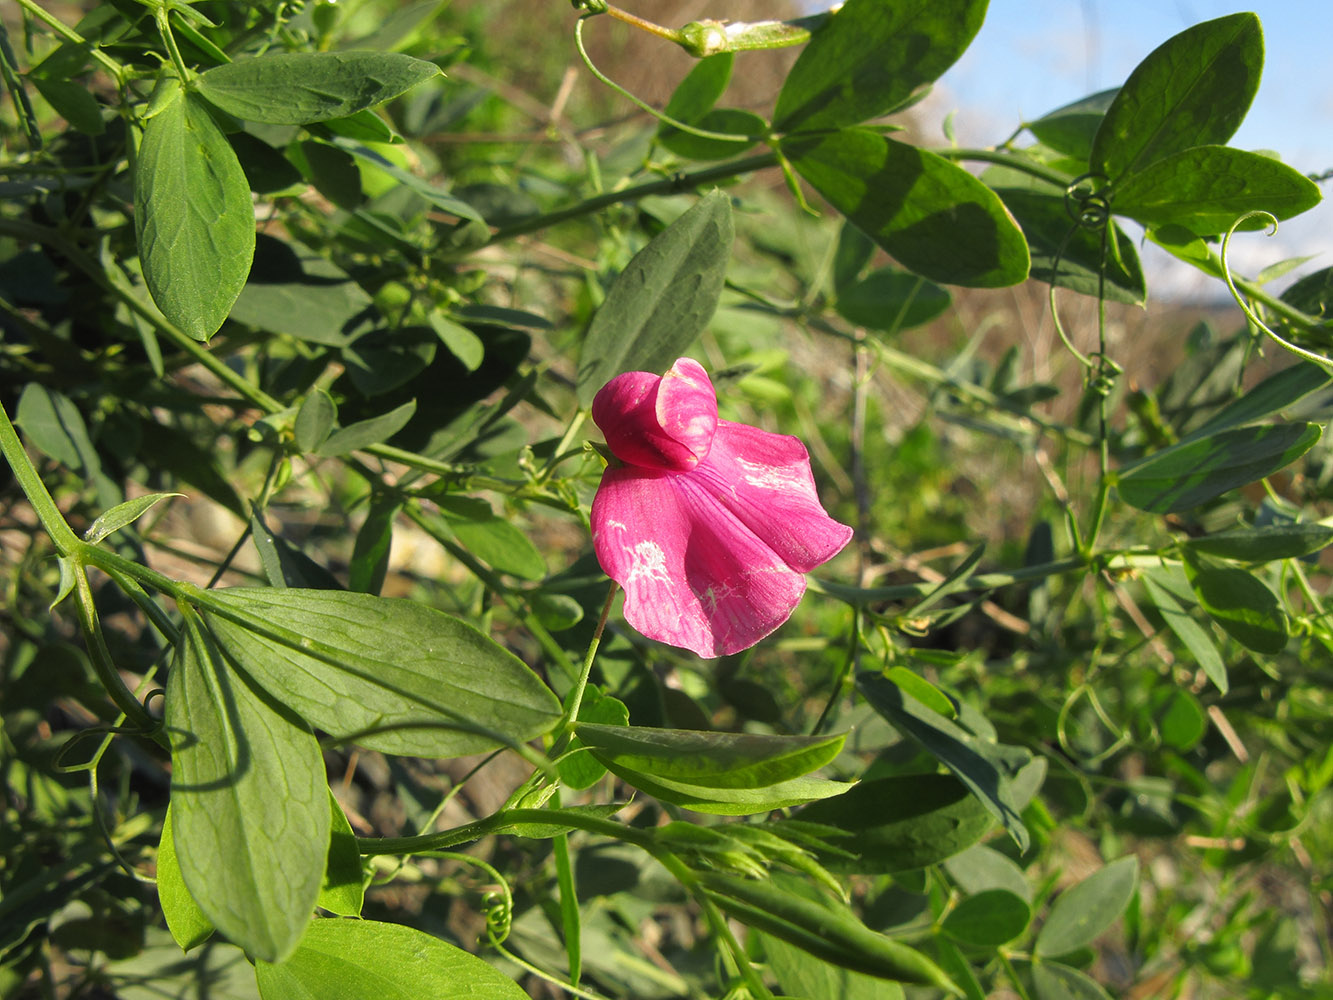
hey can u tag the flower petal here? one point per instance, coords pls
(764, 481)
(693, 575)
(658, 422)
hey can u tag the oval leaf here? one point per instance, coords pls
(390, 674)
(1053, 981)
(1244, 606)
(1184, 477)
(1207, 188)
(249, 803)
(1187, 630)
(870, 56)
(369, 960)
(1081, 913)
(662, 300)
(1071, 129)
(988, 919)
(892, 300)
(193, 217)
(1193, 89)
(491, 538)
(296, 88)
(933, 216)
(900, 823)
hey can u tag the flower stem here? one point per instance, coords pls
(35, 490)
(575, 698)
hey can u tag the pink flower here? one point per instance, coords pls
(708, 525)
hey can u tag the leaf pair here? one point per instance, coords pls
(255, 671)
(194, 219)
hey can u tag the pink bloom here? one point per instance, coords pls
(708, 525)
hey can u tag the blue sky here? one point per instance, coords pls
(1033, 56)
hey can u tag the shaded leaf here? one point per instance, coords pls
(249, 802)
(1187, 630)
(987, 919)
(893, 300)
(803, 975)
(193, 217)
(1070, 129)
(342, 891)
(1244, 606)
(1192, 90)
(662, 300)
(370, 551)
(364, 433)
(295, 291)
(295, 88)
(186, 922)
(985, 767)
(314, 420)
(1185, 476)
(933, 216)
(581, 769)
(870, 56)
(493, 539)
(980, 868)
(900, 823)
(341, 959)
(1274, 541)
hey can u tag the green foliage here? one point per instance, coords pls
(1078, 621)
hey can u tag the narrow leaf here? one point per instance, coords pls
(392, 675)
(1192, 90)
(186, 922)
(870, 56)
(362, 959)
(193, 217)
(933, 216)
(718, 760)
(364, 433)
(342, 891)
(1053, 981)
(491, 538)
(1184, 477)
(250, 809)
(370, 552)
(293, 290)
(1274, 541)
(122, 514)
(296, 88)
(1080, 914)
(662, 300)
(1244, 606)
(1191, 633)
(314, 420)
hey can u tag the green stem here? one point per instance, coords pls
(576, 695)
(162, 17)
(103, 665)
(674, 184)
(35, 490)
(502, 820)
(862, 596)
(1020, 163)
(70, 35)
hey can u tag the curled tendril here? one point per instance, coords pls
(661, 116)
(1087, 203)
(498, 903)
(1247, 309)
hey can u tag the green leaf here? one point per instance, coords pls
(662, 300)
(122, 514)
(364, 433)
(342, 891)
(824, 928)
(581, 769)
(1273, 395)
(293, 290)
(284, 564)
(382, 360)
(1064, 253)
(249, 801)
(433, 195)
(1083, 912)
(461, 342)
(851, 256)
(900, 823)
(870, 56)
(933, 216)
(494, 540)
(1070, 129)
(1192, 90)
(296, 88)
(1179, 717)
(987, 919)
(392, 675)
(729, 121)
(1053, 981)
(984, 766)
(186, 922)
(922, 690)
(73, 102)
(1207, 188)
(980, 868)
(367, 960)
(314, 420)
(54, 426)
(701, 88)
(1182, 477)
(723, 801)
(1244, 606)
(803, 975)
(1187, 630)
(710, 759)
(1274, 541)
(892, 300)
(370, 551)
(193, 217)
